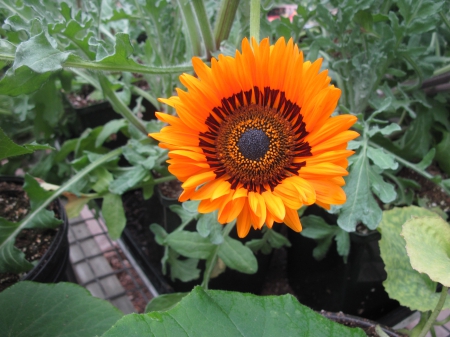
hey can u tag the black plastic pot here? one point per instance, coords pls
(354, 287)
(54, 263)
(367, 325)
(149, 256)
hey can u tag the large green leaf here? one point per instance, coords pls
(428, 246)
(63, 310)
(220, 313)
(404, 284)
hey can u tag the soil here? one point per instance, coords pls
(430, 193)
(34, 242)
(81, 99)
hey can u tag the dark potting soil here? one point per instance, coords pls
(33, 242)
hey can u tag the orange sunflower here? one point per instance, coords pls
(254, 138)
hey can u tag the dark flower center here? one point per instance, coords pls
(253, 144)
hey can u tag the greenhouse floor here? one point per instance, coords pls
(108, 270)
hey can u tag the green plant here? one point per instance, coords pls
(385, 56)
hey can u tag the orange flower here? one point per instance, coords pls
(254, 138)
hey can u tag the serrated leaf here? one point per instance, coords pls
(128, 180)
(428, 246)
(190, 244)
(160, 233)
(164, 302)
(39, 55)
(114, 215)
(9, 149)
(386, 131)
(237, 256)
(383, 190)
(404, 284)
(62, 309)
(360, 204)
(236, 314)
(381, 158)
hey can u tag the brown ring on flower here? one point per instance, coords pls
(254, 144)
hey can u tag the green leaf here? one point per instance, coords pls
(404, 284)
(39, 55)
(428, 246)
(381, 158)
(442, 156)
(237, 256)
(184, 270)
(164, 302)
(9, 149)
(220, 313)
(62, 309)
(114, 215)
(383, 190)
(208, 227)
(427, 160)
(22, 81)
(110, 128)
(360, 204)
(128, 180)
(160, 233)
(190, 244)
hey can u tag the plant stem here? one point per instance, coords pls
(205, 27)
(164, 179)
(67, 185)
(118, 105)
(255, 17)
(137, 68)
(224, 20)
(211, 262)
(147, 96)
(191, 25)
(435, 312)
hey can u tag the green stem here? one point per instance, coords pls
(164, 179)
(435, 312)
(224, 20)
(444, 19)
(442, 70)
(118, 105)
(191, 25)
(205, 27)
(66, 186)
(212, 260)
(147, 96)
(255, 17)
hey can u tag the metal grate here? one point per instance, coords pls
(105, 267)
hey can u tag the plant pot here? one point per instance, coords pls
(354, 287)
(367, 325)
(141, 243)
(54, 263)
